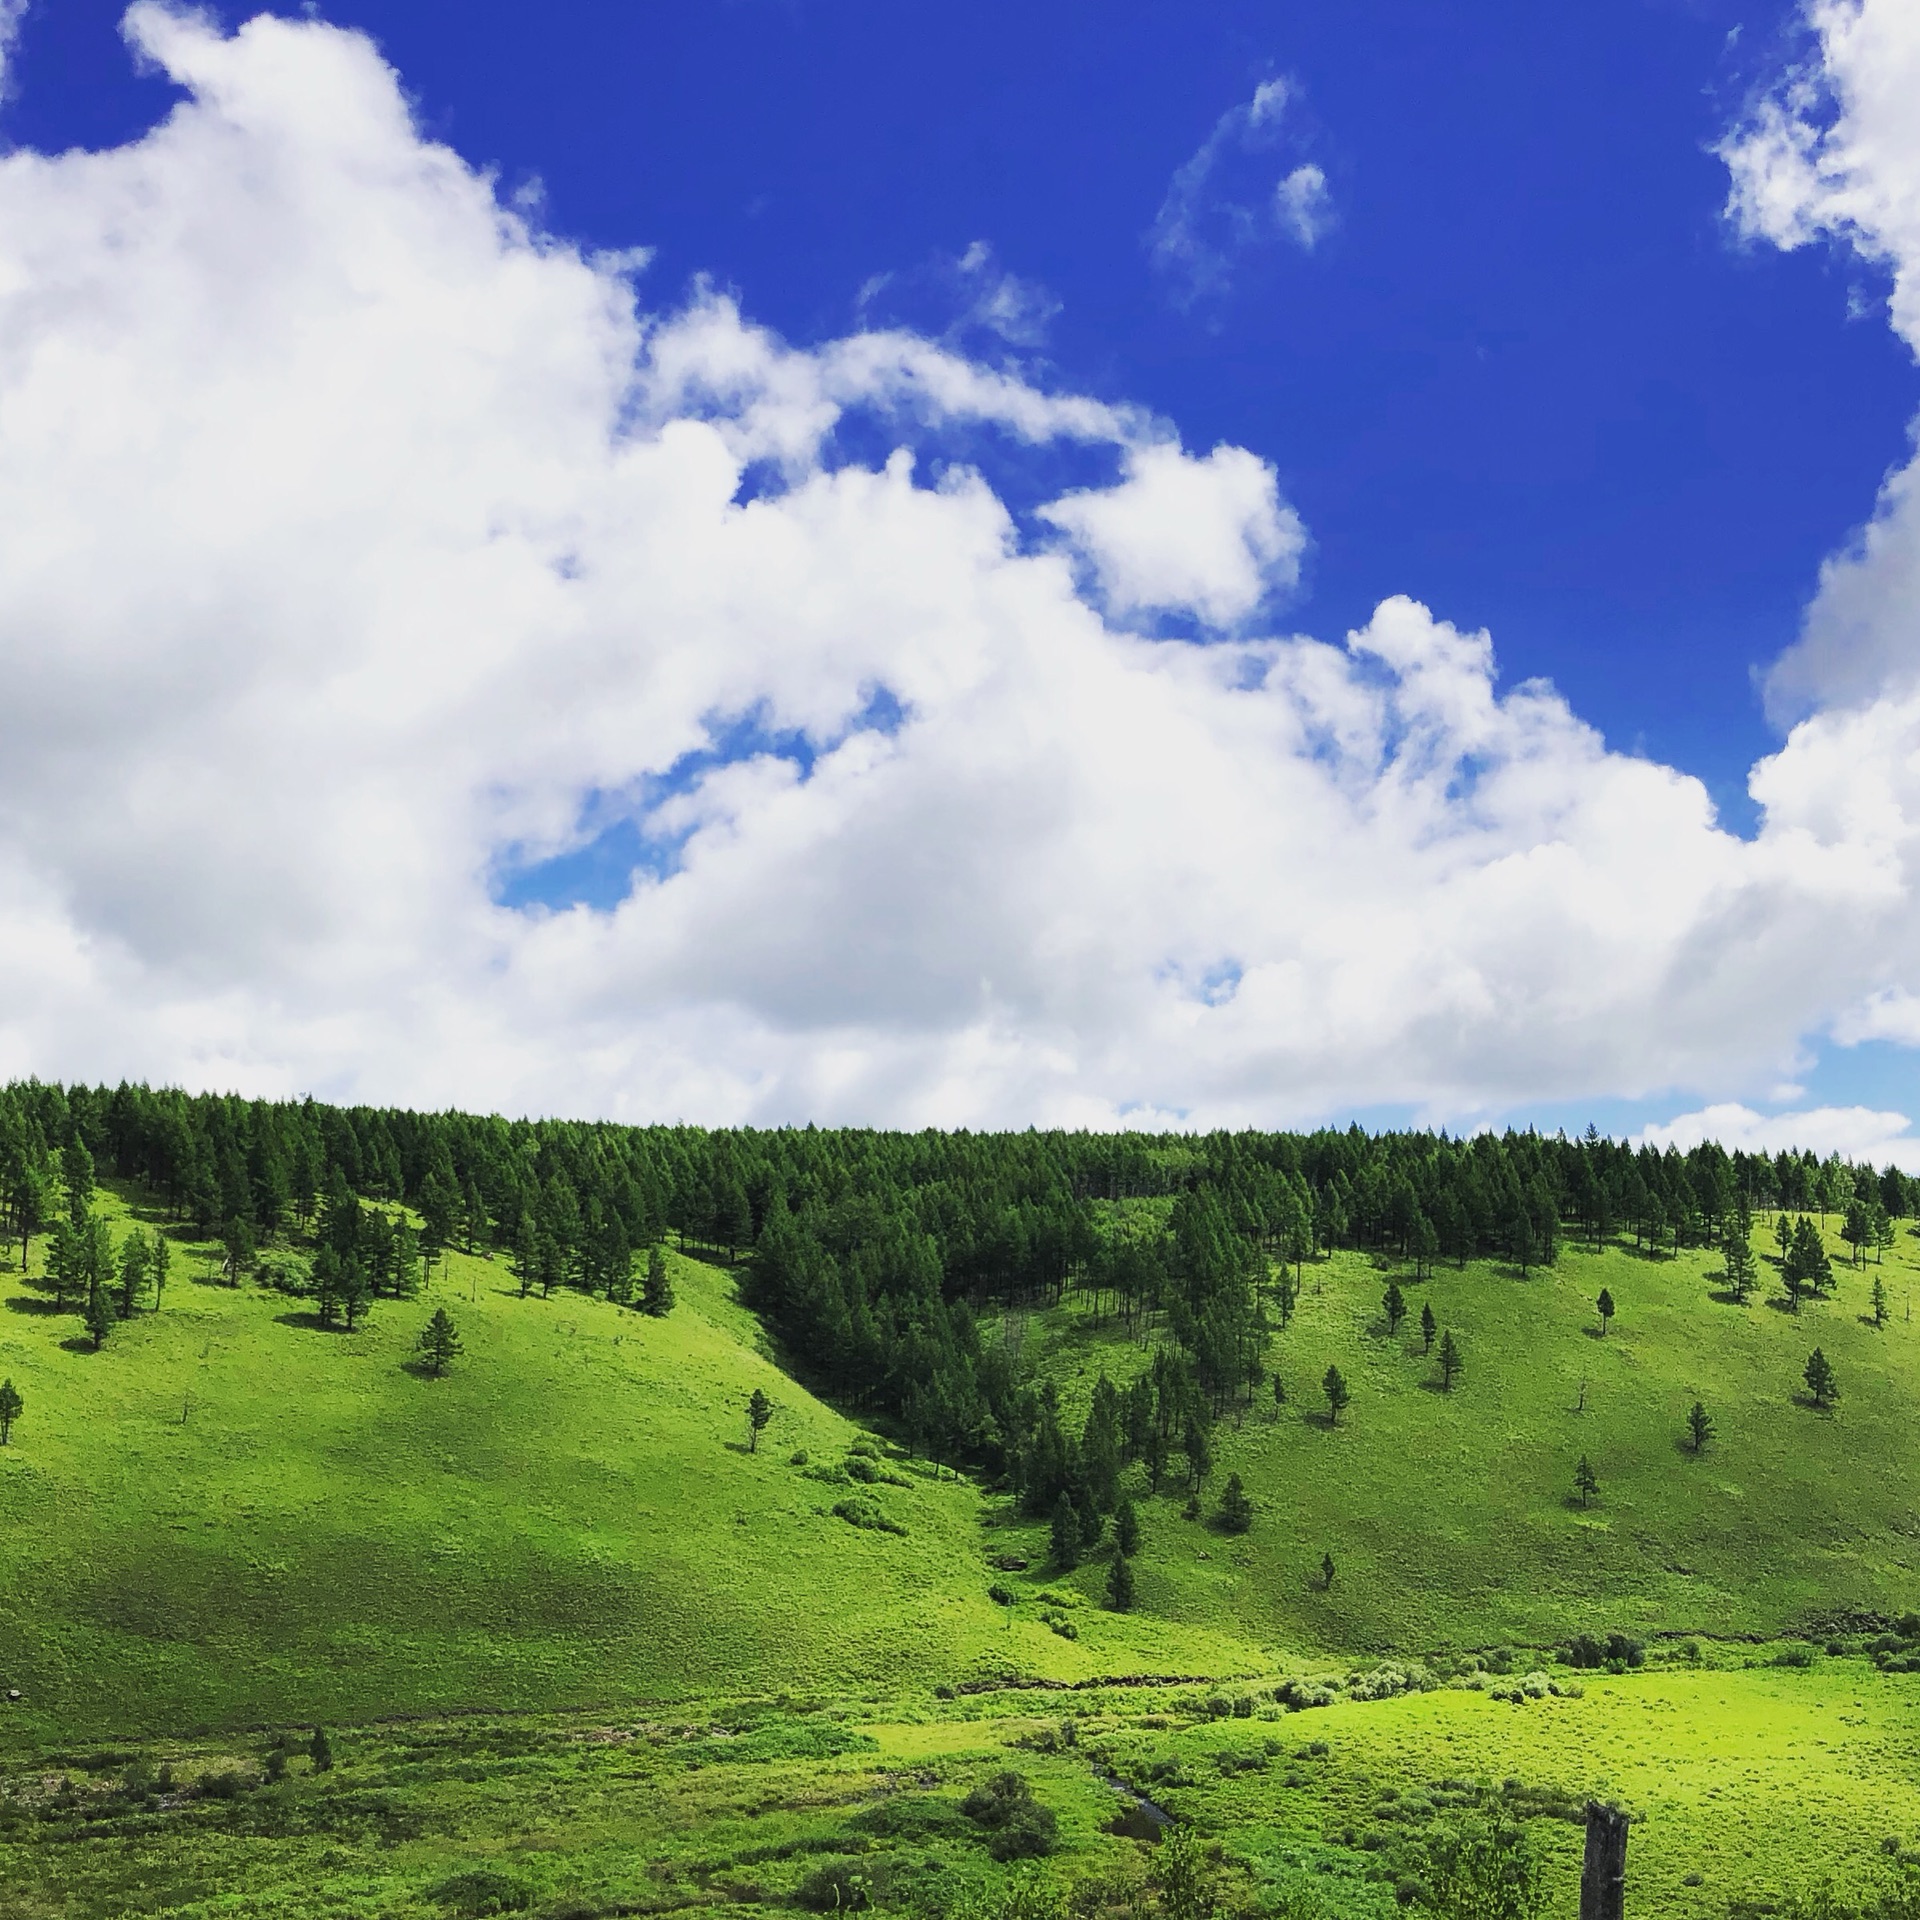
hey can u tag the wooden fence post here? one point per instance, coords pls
(1603, 1874)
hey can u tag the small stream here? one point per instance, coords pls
(1150, 1811)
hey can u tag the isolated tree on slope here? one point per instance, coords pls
(1338, 1394)
(1586, 1483)
(657, 1295)
(1395, 1303)
(1820, 1378)
(11, 1407)
(759, 1412)
(1429, 1326)
(1450, 1361)
(1236, 1510)
(1699, 1426)
(440, 1344)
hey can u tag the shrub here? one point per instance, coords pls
(1299, 1695)
(1617, 1651)
(480, 1890)
(1018, 1826)
(860, 1467)
(868, 1517)
(798, 1457)
(1002, 1596)
(838, 1887)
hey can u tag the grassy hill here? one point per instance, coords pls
(1451, 1516)
(230, 1515)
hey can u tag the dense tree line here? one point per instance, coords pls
(875, 1256)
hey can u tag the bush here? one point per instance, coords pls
(1018, 1826)
(1299, 1695)
(798, 1457)
(1617, 1651)
(1797, 1655)
(838, 1887)
(229, 1784)
(481, 1891)
(867, 1516)
(862, 1468)
(1002, 1596)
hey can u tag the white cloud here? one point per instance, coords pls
(1222, 202)
(1833, 153)
(1211, 535)
(1304, 205)
(1855, 1133)
(353, 535)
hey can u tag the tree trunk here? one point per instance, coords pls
(1603, 1874)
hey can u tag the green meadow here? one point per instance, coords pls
(582, 1651)
(1451, 1516)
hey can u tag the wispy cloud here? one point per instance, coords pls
(959, 298)
(12, 12)
(1223, 203)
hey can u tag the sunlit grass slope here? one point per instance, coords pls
(1451, 1516)
(569, 1517)
(1743, 1783)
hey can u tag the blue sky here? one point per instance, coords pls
(1512, 360)
(1528, 375)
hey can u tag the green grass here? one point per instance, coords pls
(569, 1517)
(570, 1524)
(1743, 1782)
(1451, 1517)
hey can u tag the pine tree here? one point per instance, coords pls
(440, 1343)
(1064, 1539)
(1120, 1584)
(1737, 1254)
(1450, 1361)
(1520, 1241)
(1199, 1451)
(1699, 1426)
(1336, 1390)
(1395, 1303)
(527, 1263)
(1326, 1570)
(1879, 1301)
(759, 1412)
(1429, 1326)
(1585, 1482)
(1236, 1510)
(133, 1272)
(11, 1407)
(100, 1316)
(657, 1296)
(1821, 1381)
(1605, 1305)
(320, 1751)
(1126, 1528)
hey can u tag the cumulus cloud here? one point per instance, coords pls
(1832, 153)
(1855, 1133)
(1223, 202)
(360, 543)
(1208, 536)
